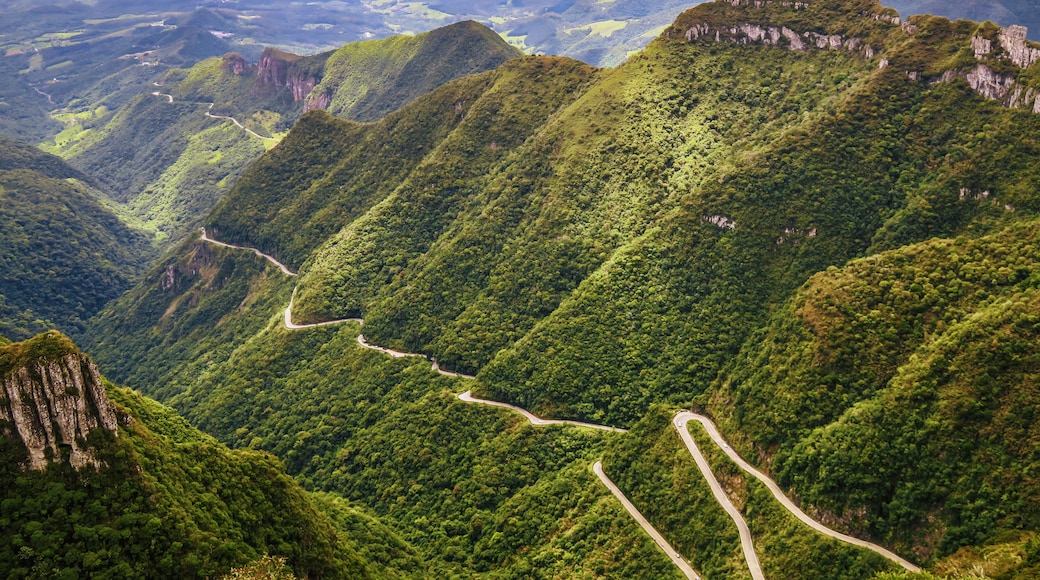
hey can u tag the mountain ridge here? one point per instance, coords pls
(646, 244)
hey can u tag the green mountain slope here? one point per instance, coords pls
(592, 244)
(932, 341)
(176, 148)
(64, 255)
(166, 500)
(367, 80)
(450, 141)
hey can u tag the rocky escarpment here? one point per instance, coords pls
(235, 63)
(1004, 49)
(51, 399)
(1010, 45)
(277, 70)
(780, 36)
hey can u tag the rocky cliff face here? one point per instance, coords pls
(1009, 45)
(53, 402)
(235, 63)
(275, 70)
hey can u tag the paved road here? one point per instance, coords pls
(720, 496)
(389, 351)
(50, 100)
(649, 529)
(682, 419)
(285, 270)
(535, 419)
(680, 422)
(235, 121)
(288, 320)
(293, 326)
(169, 97)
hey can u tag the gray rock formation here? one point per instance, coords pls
(52, 405)
(988, 83)
(1013, 41)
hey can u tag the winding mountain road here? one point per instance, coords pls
(209, 108)
(535, 419)
(285, 270)
(50, 100)
(680, 422)
(237, 124)
(746, 544)
(663, 544)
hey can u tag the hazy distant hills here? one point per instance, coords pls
(1003, 12)
(174, 149)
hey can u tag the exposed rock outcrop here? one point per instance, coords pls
(1001, 87)
(300, 85)
(273, 68)
(317, 101)
(53, 401)
(235, 63)
(1010, 45)
(780, 36)
(1013, 41)
(276, 71)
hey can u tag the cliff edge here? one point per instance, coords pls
(52, 398)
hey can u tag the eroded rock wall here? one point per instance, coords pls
(52, 405)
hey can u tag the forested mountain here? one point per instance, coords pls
(127, 489)
(63, 255)
(813, 220)
(177, 147)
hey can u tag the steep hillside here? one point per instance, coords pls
(450, 141)
(127, 489)
(758, 214)
(367, 80)
(64, 255)
(933, 342)
(178, 146)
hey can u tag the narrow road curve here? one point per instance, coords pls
(535, 419)
(669, 551)
(680, 422)
(288, 320)
(271, 259)
(293, 326)
(237, 124)
(388, 351)
(50, 100)
(208, 114)
(754, 566)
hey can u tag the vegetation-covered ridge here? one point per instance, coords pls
(749, 550)
(996, 63)
(172, 151)
(161, 499)
(592, 244)
(63, 255)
